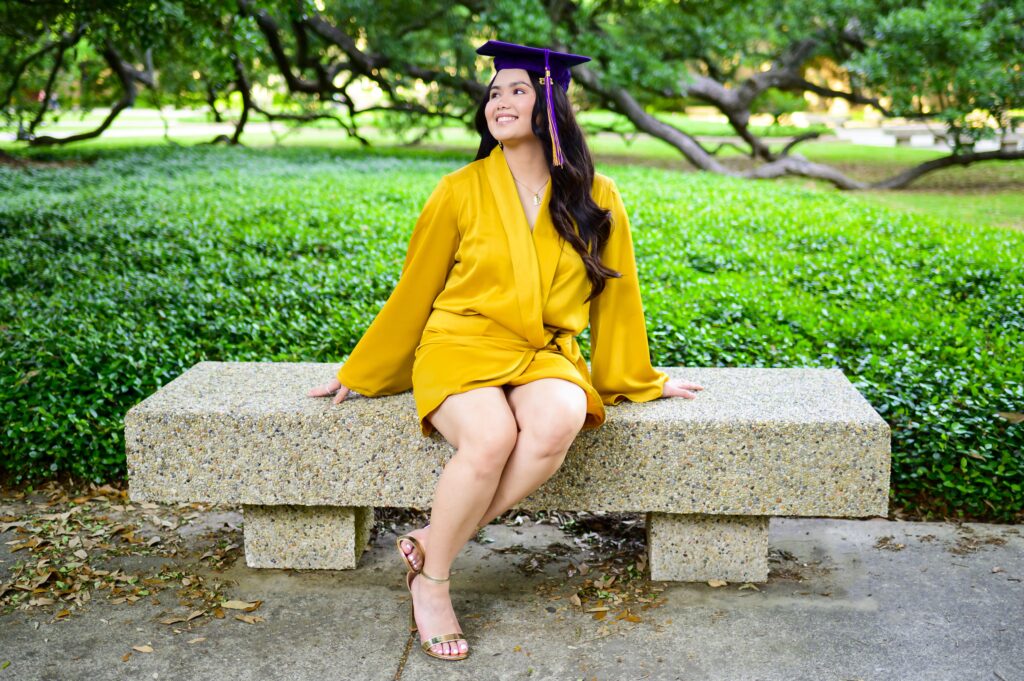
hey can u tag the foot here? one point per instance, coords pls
(435, 616)
(411, 552)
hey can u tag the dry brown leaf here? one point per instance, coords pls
(143, 649)
(241, 605)
(124, 658)
(174, 620)
(717, 582)
(575, 600)
(249, 619)
(197, 640)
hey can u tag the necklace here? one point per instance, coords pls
(536, 194)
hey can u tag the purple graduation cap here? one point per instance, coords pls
(555, 66)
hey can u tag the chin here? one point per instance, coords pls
(505, 139)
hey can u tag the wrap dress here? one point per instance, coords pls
(484, 301)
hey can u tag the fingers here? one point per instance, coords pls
(330, 388)
(340, 396)
(684, 389)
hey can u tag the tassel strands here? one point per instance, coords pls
(556, 147)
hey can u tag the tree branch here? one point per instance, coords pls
(127, 74)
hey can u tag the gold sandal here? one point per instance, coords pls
(405, 556)
(444, 638)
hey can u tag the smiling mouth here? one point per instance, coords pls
(505, 118)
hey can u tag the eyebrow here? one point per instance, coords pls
(518, 82)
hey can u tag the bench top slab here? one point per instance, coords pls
(756, 441)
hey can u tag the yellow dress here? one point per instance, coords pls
(483, 301)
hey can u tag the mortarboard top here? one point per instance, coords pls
(554, 65)
(512, 56)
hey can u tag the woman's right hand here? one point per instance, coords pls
(333, 387)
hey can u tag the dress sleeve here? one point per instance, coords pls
(381, 362)
(619, 356)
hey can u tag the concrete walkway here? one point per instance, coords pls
(846, 599)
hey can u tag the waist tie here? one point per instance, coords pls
(564, 342)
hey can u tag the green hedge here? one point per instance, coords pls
(121, 274)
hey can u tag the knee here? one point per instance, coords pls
(553, 430)
(487, 448)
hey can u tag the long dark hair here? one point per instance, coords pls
(571, 204)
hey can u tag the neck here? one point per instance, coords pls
(527, 162)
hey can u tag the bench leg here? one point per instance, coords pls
(310, 537)
(698, 547)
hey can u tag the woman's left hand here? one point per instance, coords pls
(677, 387)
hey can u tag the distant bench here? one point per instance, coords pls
(708, 472)
(903, 135)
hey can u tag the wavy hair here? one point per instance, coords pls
(571, 204)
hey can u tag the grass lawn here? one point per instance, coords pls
(981, 194)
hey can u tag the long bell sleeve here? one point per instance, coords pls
(381, 363)
(619, 355)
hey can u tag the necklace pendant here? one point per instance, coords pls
(536, 199)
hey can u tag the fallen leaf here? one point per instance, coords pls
(748, 585)
(143, 649)
(249, 619)
(81, 553)
(717, 582)
(197, 640)
(241, 605)
(124, 658)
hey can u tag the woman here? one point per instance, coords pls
(501, 275)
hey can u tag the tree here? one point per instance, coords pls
(953, 60)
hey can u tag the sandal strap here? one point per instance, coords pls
(435, 579)
(443, 638)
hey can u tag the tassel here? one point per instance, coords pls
(556, 147)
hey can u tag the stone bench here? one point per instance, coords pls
(708, 473)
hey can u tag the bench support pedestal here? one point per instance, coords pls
(697, 547)
(311, 537)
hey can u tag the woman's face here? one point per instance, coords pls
(510, 105)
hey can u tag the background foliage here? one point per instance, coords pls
(119, 275)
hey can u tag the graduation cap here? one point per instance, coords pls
(555, 66)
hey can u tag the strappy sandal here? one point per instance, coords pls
(405, 556)
(444, 638)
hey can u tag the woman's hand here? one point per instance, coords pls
(330, 388)
(677, 387)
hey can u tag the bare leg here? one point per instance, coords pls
(550, 413)
(480, 424)
(539, 451)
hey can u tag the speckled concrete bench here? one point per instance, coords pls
(707, 472)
